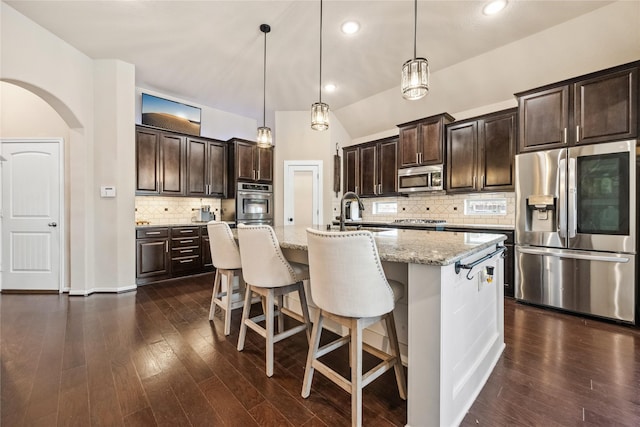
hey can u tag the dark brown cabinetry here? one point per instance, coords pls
(185, 250)
(160, 162)
(152, 254)
(421, 142)
(350, 169)
(481, 153)
(206, 168)
(594, 108)
(248, 163)
(377, 165)
(166, 252)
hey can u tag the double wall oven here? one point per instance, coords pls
(576, 229)
(253, 204)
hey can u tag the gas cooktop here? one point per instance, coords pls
(419, 221)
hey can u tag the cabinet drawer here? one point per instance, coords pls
(151, 233)
(185, 231)
(180, 265)
(185, 242)
(185, 252)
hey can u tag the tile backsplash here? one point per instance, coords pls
(437, 206)
(171, 210)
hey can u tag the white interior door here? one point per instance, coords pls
(31, 217)
(303, 192)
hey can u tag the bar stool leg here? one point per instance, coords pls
(355, 347)
(311, 356)
(280, 315)
(216, 291)
(395, 351)
(245, 315)
(270, 327)
(227, 315)
(305, 310)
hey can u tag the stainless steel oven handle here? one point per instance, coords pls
(573, 255)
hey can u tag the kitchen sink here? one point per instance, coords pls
(356, 228)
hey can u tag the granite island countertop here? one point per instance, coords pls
(497, 227)
(406, 246)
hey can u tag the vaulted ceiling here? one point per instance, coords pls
(211, 52)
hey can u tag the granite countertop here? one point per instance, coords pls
(422, 226)
(178, 224)
(407, 246)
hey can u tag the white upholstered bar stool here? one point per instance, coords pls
(269, 274)
(349, 287)
(226, 259)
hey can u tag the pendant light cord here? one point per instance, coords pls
(320, 88)
(264, 83)
(415, 26)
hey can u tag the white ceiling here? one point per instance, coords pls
(211, 52)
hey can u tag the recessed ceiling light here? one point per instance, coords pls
(494, 7)
(330, 87)
(350, 27)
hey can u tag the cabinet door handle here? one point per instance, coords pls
(417, 157)
(577, 133)
(166, 246)
(420, 158)
(564, 136)
(482, 181)
(379, 188)
(375, 188)
(474, 183)
(356, 190)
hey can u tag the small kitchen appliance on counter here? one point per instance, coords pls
(204, 214)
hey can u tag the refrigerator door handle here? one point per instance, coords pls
(573, 255)
(572, 196)
(561, 214)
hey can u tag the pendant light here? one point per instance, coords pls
(415, 72)
(264, 133)
(320, 110)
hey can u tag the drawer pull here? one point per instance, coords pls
(185, 261)
(186, 251)
(186, 241)
(187, 231)
(149, 233)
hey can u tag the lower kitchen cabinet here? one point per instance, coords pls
(167, 252)
(152, 254)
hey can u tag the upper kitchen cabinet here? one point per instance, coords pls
(597, 107)
(351, 169)
(421, 142)
(248, 163)
(206, 168)
(160, 162)
(377, 165)
(481, 153)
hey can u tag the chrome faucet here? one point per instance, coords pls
(345, 196)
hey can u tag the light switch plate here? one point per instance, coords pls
(107, 191)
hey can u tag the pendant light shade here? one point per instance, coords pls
(415, 72)
(264, 138)
(319, 116)
(320, 110)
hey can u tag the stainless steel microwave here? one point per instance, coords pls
(421, 178)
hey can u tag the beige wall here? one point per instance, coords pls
(297, 141)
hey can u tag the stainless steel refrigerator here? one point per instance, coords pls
(576, 225)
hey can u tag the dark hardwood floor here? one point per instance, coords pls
(151, 357)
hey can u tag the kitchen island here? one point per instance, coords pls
(454, 316)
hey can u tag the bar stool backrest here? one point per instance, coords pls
(347, 278)
(224, 250)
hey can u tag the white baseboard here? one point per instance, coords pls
(87, 292)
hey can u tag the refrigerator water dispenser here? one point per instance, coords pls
(541, 213)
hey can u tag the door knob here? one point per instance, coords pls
(290, 219)
(52, 224)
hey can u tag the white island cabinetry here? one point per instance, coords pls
(454, 327)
